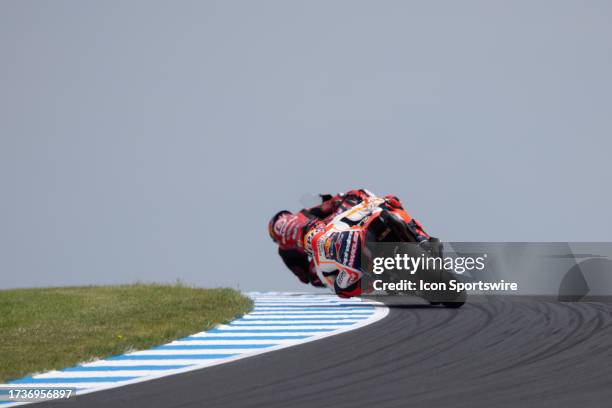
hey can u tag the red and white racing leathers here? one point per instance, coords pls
(288, 231)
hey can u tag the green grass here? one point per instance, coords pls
(44, 329)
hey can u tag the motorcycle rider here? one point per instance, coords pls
(288, 231)
(318, 246)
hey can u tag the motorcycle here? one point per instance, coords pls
(387, 230)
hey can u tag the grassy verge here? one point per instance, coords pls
(44, 329)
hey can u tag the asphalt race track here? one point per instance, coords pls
(493, 352)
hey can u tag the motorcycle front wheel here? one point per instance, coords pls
(448, 298)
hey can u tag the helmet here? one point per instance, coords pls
(275, 230)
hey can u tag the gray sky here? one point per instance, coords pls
(150, 141)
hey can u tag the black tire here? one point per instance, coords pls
(453, 305)
(447, 297)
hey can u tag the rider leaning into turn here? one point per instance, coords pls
(319, 248)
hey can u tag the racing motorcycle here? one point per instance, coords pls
(387, 230)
